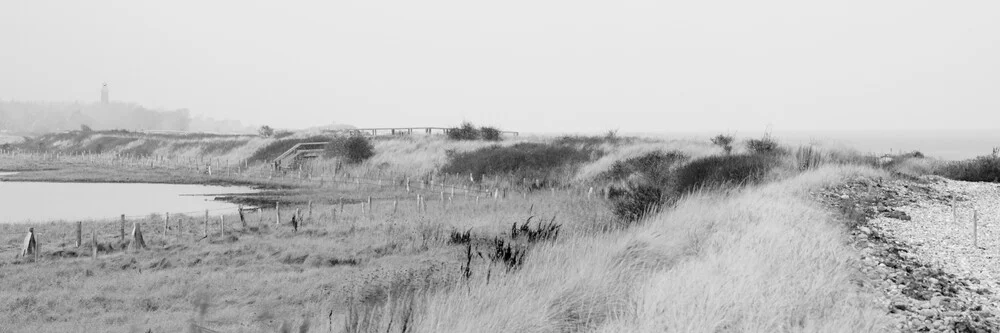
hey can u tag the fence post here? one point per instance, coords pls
(395, 204)
(79, 234)
(93, 243)
(310, 211)
(277, 212)
(121, 229)
(975, 228)
(371, 209)
(222, 225)
(206, 223)
(166, 225)
(341, 205)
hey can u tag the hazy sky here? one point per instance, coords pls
(530, 65)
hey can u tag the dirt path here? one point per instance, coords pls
(918, 257)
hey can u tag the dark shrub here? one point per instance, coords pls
(464, 132)
(523, 160)
(357, 149)
(655, 167)
(980, 169)
(723, 170)
(489, 133)
(637, 202)
(724, 141)
(763, 145)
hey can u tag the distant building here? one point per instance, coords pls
(104, 93)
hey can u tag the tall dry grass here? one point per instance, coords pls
(760, 259)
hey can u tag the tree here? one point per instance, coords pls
(266, 131)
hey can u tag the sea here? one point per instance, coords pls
(941, 144)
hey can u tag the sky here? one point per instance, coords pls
(522, 65)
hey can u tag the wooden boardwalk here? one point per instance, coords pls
(376, 131)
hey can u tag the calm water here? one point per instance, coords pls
(943, 144)
(42, 202)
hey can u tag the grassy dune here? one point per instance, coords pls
(758, 257)
(751, 260)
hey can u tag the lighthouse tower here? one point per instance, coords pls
(104, 94)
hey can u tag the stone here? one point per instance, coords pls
(899, 215)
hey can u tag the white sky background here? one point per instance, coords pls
(528, 65)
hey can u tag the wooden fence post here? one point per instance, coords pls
(206, 223)
(243, 219)
(277, 213)
(121, 229)
(341, 205)
(371, 209)
(310, 211)
(79, 234)
(166, 225)
(975, 228)
(395, 204)
(93, 243)
(222, 225)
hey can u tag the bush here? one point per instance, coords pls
(637, 202)
(654, 167)
(980, 169)
(489, 133)
(523, 160)
(464, 132)
(724, 141)
(723, 170)
(358, 149)
(763, 145)
(266, 131)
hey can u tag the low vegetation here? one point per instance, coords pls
(531, 161)
(468, 131)
(628, 235)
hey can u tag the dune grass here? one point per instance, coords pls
(755, 258)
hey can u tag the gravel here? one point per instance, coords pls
(918, 258)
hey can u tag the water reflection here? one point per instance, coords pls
(43, 202)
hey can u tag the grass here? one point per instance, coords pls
(754, 257)
(264, 277)
(545, 162)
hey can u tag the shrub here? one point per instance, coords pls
(980, 169)
(266, 131)
(85, 129)
(724, 141)
(523, 160)
(637, 202)
(654, 167)
(723, 170)
(357, 149)
(464, 132)
(764, 145)
(489, 133)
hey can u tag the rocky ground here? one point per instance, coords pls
(918, 254)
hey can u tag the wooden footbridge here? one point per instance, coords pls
(298, 152)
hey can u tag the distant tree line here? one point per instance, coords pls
(42, 117)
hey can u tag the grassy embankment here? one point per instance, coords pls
(756, 258)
